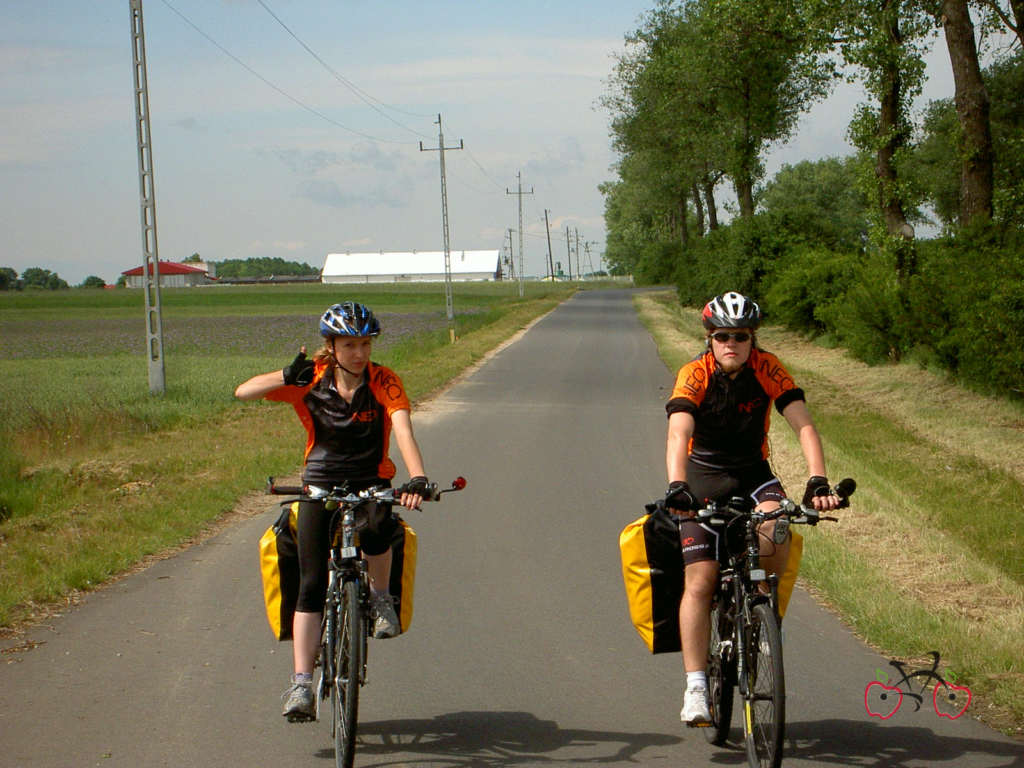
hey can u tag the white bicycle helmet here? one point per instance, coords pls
(731, 310)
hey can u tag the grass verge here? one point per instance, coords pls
(928, 557)
(91, 499)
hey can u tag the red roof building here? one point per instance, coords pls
(172, 275)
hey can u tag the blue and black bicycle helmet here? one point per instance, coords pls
(731, 310)
(349, 319)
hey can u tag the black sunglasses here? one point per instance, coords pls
(723, 336)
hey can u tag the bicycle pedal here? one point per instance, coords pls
(699, 725)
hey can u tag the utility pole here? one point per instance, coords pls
(444, 225)
(551, 263)
(579, 272)
(147, 203)
(600, 266)
(511, 256)
(519, 194)
(568, 250)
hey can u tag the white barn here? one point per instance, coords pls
(410, 266)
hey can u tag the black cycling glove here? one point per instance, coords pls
(678, 496)
(816, 486)
(417, 485)
(299, 372)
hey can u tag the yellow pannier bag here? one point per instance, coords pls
(652, 570)
(788, 578)
(403, 571)
(279, 568)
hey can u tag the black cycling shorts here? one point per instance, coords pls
(313, 539)
(702, 541)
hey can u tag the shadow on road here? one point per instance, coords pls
(494, 739)
(851, 742)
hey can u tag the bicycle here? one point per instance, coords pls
(346, 624)
(745, 651)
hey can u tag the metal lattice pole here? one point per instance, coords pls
(444, 225)
(519, 193)
(147, 202)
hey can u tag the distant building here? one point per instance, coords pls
(172, 275)
(410, 266)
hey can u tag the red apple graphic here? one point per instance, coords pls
(952, 694)
(887, 695)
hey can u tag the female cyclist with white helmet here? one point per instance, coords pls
(349, 406)
(718, 418)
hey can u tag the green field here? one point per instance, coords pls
(96, 473)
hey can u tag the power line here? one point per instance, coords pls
(365, 97)
(281, 91)
(483, 170)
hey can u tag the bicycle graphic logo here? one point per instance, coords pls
(882, 700)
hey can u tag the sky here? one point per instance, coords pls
(293, 129)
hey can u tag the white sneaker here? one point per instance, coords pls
(385, 620)
(299, 704)
(695, 710)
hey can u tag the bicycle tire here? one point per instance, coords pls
(764, 721)
(348, 669)
(721, 679)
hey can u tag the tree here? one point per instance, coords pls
(195, 258)
(1009, 15)
(37, 277)
(762, 70)
(886, 41)
(818, 203)
(93, 282)
(8, 279)
(703, 88)
(930, 165)
(717, 81)
(263, 268)
(972, 108)
(1004, 81)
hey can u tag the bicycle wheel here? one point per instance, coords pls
(348, 668)
(764, 718)
(721, 677)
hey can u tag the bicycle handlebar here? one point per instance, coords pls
(798, 514)
(341, 495)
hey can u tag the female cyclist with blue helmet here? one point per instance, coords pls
(349, 406)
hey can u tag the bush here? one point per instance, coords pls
(866, 317)
(803, 284)
(732, 258)
(657, 261)
(969, 302)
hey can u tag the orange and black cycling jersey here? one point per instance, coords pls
(346, 441)
(731, 415)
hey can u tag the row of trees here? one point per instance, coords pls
(705, 87)
(234, 268)
(37, 278)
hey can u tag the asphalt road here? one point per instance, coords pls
(520, 652)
